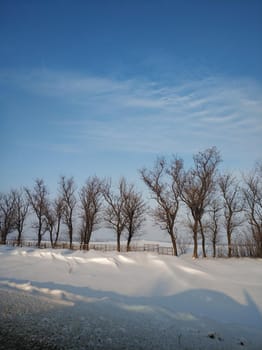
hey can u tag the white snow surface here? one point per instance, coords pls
(61, 299)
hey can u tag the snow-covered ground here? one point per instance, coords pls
(59, 299)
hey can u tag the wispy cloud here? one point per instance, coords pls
(145, 116)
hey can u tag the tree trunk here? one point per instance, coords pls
(173, 240)
(19, 238)
(3, 237)
(203, 239)
(214, 249)
(51, 238)
(229, 234)
(57, 231)
(84, 239)
(39, 236)
(229, 253)
(128, 242)
(71, 236)
(118, 242)
(195, 229)
(87, 239)
(85, 246)
(260, 248)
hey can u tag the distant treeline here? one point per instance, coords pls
(215, 204)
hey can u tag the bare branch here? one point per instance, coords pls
(7, 215)
(252, 192)
(21, 211)
(134, 210)
(38, 201)
(233, 205)
(114, 213)
(166, 194)
(198, 187)
(67, 193)
(91, 204)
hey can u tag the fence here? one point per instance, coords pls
(238, 250)
(104, 247)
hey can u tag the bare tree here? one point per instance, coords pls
(53, 218)
(7, 214)
(114, 213)
(21, 205)
(67, 192)
(196, 189)
(49, 222)
(233, 206)
(166, 194)
(134, 210)
(38, 200)
(91, 204)
(213, 223)
(253, 205)
(58, 210)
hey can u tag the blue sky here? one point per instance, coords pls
(103, 87)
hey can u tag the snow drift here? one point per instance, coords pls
(111, 300)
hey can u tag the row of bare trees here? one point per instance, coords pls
(13, 212)
(170, 185)
(211, 202)
(122, 210)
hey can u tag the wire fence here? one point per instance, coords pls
(104, 247)
(238, 250)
